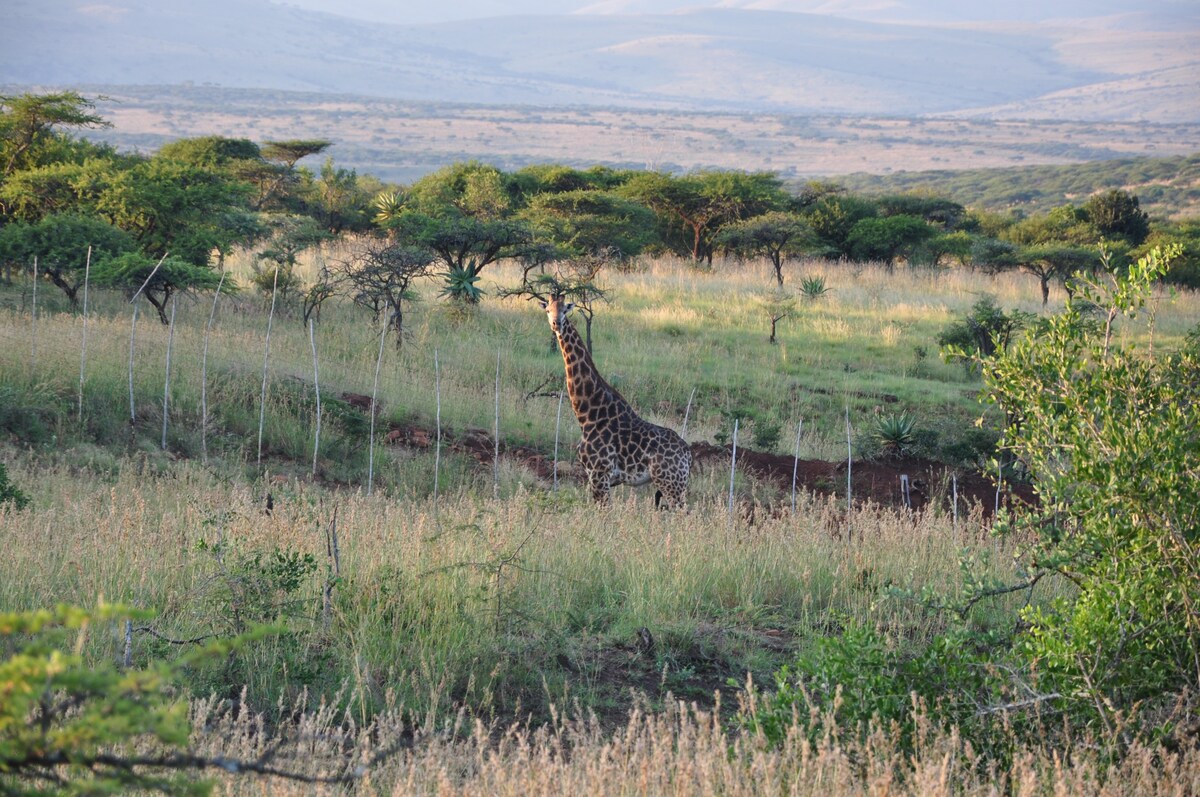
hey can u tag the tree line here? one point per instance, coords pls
(165, 222)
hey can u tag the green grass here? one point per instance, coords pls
(497, 607)
(869, 345)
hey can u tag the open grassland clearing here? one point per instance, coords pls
(869, 345)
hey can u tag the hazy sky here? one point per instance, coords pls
(424, 12)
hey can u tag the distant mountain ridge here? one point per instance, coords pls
(739, 58)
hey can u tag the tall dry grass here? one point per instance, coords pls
(682, 750)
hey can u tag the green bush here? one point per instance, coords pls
(1110, 437)
(9, 492)
(67, 723)
(985, 330)
(863, 675)
(896, 434)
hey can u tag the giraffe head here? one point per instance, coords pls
(556, 311)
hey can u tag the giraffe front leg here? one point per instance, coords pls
(600, 480)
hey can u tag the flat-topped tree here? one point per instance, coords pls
(130, 271)
(60, 242)
(776, 235)
(28, 122)
(284, 155)
(694, 207)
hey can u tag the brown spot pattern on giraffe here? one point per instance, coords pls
(618, 446)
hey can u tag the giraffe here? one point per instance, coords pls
(618, 446)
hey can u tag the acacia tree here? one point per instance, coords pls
(575, 279)
(380, 274)
(60, 242)
(887, 237)
(694, 207)
(1050, 262)
(290, 236)
(28, 122)
(777, 236)
(283, 156)
(132, 270)
(582, 223)
(463, 244)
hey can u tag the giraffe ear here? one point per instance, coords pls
(568, 307)
(542, 303)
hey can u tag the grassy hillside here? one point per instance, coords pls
(1166, 187)
(481, 628)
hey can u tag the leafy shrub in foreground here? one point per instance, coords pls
(862, 676)
(1111, 439)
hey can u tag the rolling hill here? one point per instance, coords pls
(747, 57)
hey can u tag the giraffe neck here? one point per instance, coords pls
(587, 389)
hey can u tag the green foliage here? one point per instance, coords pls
(895, 433)
(588, 222)
(1109, 436)
(68, 726)
(862, 675)
(28, 122)
(1166, 185)
(813, 288)
(833, 217)
(981, 333)
(776, 235)
(254, 586)
(887, 237)
(9, 492)
(60, 242)
(461, 285)
(1117, 214)
(693, 208)
(766, 433)
(132, 270)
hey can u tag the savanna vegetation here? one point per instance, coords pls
(201, 590)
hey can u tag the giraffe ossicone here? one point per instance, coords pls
(617, 445)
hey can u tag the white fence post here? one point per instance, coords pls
(557, 429)
(687, 413)
(167, 378)
(132, 338)
(262, 401)
(204, 374)
(87, 273)
(33, 320)
(796, 463)
(733, 468)
(374, 404)
(312, 340)
(437, 451)
(496, 436)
